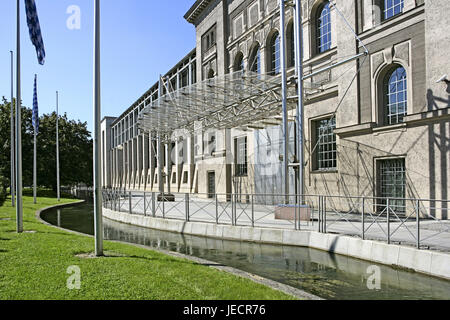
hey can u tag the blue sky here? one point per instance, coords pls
(139, 40)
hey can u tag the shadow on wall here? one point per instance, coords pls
(439, 152)
(432, 100)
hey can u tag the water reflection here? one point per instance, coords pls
(327, 275)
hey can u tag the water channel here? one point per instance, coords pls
(329, 276)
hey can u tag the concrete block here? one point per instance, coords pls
(415, 259)
(199, 228)
(338, 244)
(296, 238)
(385, 253)
(359, 248)
(232, 232)
(251, 234)
(211, 230)
(272, 236)
(440, 264)
(219, 231)
(187, 229)
(318, 240)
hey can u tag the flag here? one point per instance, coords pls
(35, 116)
(35, 30)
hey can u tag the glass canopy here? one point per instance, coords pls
(241, 98)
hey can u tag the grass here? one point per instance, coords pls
(34, 266)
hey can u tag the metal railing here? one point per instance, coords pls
(419, 222)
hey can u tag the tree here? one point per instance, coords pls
(75, 149)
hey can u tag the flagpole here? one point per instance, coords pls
(300, 107)
(98, 226)
(13, 183)
(57, 150)
(34, 169)
(34, 147)
(19, 205)
(284, 101)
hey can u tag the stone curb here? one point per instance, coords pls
(428, 262)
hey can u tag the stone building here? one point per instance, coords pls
(377, 126)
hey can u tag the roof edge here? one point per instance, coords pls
(196, 9)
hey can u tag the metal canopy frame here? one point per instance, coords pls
(245, 98)
(232, 100)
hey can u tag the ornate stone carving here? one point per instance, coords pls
(401, 52)
(388, 55)
(377, 60)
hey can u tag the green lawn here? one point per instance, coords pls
(34, 266)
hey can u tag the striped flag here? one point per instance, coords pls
(35, 116)
(35, 30)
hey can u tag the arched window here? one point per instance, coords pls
(392, 8)
(239, 62)
(395, 96)
(275, 54)
(255, 60)
(210, 73)
(323, 33)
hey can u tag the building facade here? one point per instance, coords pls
(377, 126)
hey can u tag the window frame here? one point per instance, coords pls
(249, 9)
(320, 47)
(399, 204)
(241, 169)
(274, 48)
(384, 10)
(384, 85)
(209, 39)
(317, 159)
(255, 53)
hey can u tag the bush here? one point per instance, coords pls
(3, 185)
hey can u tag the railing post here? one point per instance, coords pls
(217, 210)
(418, 222)
(253, 210)
(145, 207)
(362, 220)
(325, 214)
(320, 213)
(153, 204)
(163, 205)
(233, 211)
(296, 205)
(388, 225)
(186, 201)
(129, 201)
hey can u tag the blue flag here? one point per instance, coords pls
(35, 30)
(35, 117)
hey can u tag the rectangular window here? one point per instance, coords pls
(185, 177)
(241, 157)
(209, 39)
(253, 14)
(238, 26)
(325, 145)
(184, 78)
(392, 182)
(392, 8)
